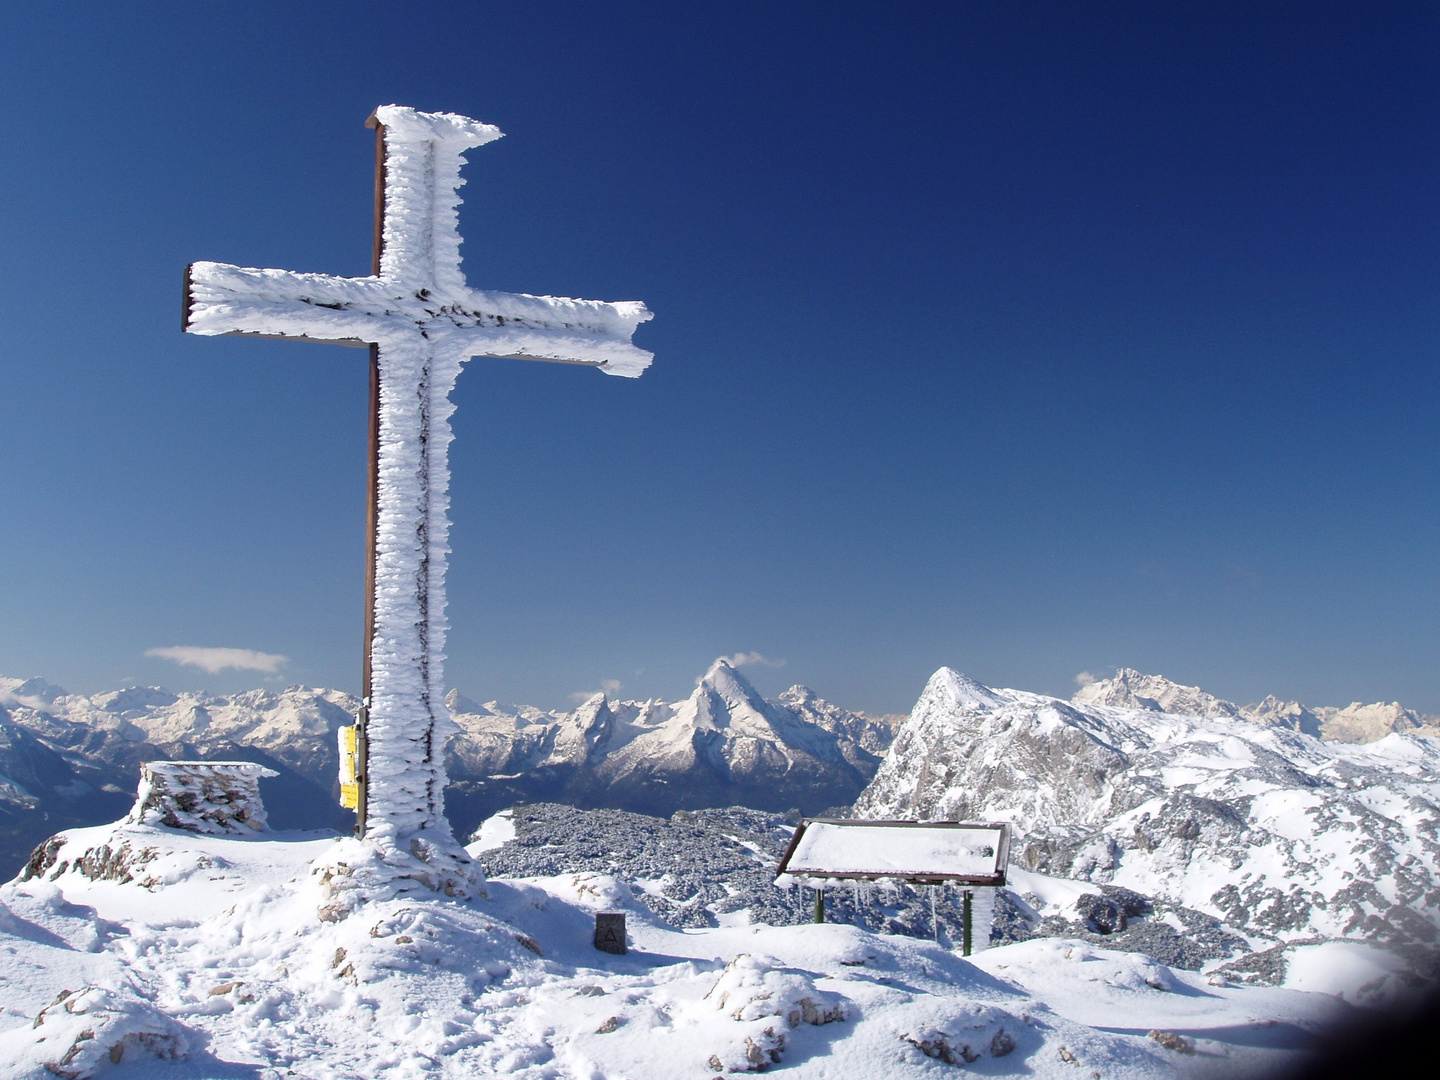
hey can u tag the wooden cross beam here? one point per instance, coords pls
(421, 322)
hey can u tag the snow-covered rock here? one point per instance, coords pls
(202, 796)
(139, 939)
(1272, 712)
(1281, 835)
(221, 951)
(46, 787)
(1360, 723)
(73, 760)
(84, 1030)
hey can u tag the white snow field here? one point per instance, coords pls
(146, 951)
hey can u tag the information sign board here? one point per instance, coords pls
(914, 852)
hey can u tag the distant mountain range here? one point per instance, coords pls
(724, 745)
(68, 760)
(1355, 723)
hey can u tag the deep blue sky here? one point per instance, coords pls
(1026, 339)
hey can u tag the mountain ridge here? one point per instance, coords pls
(1355, 723)
(1279, 834)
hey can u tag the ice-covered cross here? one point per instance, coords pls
(421, 323)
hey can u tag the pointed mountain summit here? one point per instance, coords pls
(863, 738)
(1272, 712)
(36, 693)
(725, 744)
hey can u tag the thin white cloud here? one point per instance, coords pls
(741, 659)
(217, 660)
(1085, 678)
(612, 688)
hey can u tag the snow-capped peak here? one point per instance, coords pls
(954, 690)
(34, 693)
(740, 702)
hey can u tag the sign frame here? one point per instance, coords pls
(1002, 854)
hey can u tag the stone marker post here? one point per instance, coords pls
(610, 932)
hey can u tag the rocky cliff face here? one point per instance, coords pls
(1362, 723)
(1279, 834)
(1131, 689)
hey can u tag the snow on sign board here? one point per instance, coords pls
(922, 853)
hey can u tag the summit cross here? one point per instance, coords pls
(421, 322)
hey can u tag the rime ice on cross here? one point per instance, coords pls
(422, 323)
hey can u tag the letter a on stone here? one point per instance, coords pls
(421, 322)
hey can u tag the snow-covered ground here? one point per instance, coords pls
(207, 956)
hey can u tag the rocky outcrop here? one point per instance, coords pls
(1272, 712)
(1360, 723)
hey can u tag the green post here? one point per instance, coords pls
(819, 905)
(966, 920)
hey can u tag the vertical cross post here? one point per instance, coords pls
(421, 322)
(372, 499)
